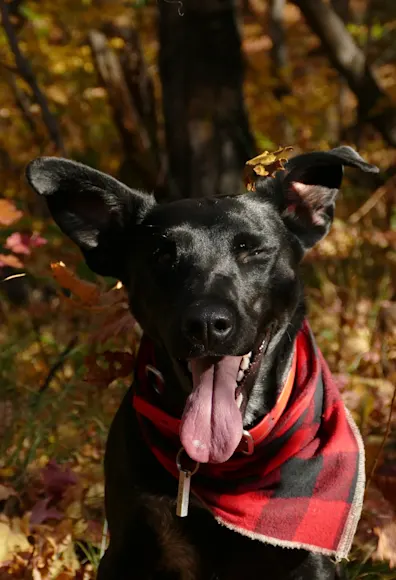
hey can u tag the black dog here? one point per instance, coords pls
(214, 284)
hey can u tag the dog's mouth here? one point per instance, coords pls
(243, 371)
(212, 425)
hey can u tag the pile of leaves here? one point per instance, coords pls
(52, 522)
(47, 528)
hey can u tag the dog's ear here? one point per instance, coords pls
(305, 193)
(95, 210)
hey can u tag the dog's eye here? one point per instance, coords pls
(246, 250)
(244, 255)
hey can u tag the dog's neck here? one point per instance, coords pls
(270, 377)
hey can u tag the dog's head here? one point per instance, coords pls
(208, 279)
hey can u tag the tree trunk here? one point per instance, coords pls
(280, 62)
(139, 168)
(336, 125)
(206, 126)
(343, 9)
(139, 82)
(375, 105)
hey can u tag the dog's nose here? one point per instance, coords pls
(208, 325)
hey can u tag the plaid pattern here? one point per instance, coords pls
(303, 486)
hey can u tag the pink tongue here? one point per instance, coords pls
(211, 425)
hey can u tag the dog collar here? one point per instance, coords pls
(171, 425)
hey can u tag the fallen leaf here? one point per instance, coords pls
(7, 472)
(94, 496)
(8, 212)
(117, 323)
(12, 539)
(10, 260)
(104, 368)
(6, 492)
(386, 549)
(41, 512)
(57, 479)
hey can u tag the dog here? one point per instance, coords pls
(232, 455)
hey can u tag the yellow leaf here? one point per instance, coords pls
(267, 158)
(11, 540)
(7, 472)
(117, 42)
(57, 95)
(265, 165)
(68, 434)
(94, 496)
(74, 510)
(80, 528)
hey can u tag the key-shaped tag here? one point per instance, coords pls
(183, 494)
(183, 491)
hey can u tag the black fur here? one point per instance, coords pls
(204, 277)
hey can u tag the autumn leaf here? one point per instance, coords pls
(386, 549)
(42, 512)
(265, 165)
(12, 539)
(10, 260)
(8, 212)
(119, 322)
(5, 492)
(20, 243)
(87, 292)
(57, 479)
(105, 368)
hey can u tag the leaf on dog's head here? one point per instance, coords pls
(265, 165)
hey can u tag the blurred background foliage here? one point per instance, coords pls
(174, 97)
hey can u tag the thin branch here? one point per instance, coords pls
(26, 72)
(57, 365)
(375, 106)
(372, 201)
(384, 440)
(23, 104)
(9, 68)
(369, 24)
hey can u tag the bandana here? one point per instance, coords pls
(303, 485)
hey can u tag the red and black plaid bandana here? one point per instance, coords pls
(303, 485)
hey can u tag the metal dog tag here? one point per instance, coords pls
(183, 494)
(183, 491)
